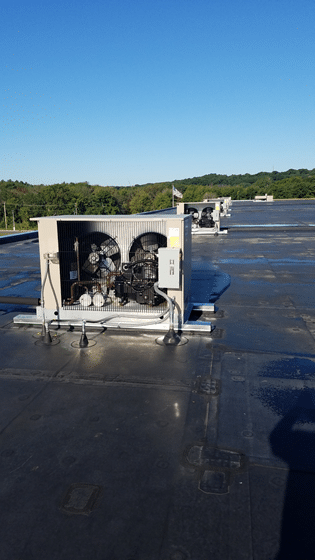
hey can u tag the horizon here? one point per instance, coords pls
(156, 182)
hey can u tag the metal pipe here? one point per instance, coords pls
(20, 300)
(46, 338)
(76, 248)
(101, 323)
(43, 284)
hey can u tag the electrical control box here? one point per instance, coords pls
(169, 268)
(216, 215)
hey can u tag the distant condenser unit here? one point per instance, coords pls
(205, 215)
(100, 266)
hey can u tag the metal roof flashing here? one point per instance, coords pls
(109, 217)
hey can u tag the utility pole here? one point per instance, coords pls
(5, 217)
(13, 220)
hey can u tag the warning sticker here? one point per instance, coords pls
(173, 235)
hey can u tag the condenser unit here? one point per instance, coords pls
(205, 215)
(114, 270)
(225, 204)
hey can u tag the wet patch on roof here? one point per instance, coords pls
(290, 368)
(209, 285)
(26, 288)
(281, 400)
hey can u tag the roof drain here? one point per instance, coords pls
(171, 338)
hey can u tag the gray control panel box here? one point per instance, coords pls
(169, 268)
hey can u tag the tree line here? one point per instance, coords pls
(21, 201)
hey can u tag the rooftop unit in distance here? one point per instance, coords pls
(205, 216)
(264, 198)
(225, 204)
(105, 270)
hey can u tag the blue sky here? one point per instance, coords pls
(120, 92)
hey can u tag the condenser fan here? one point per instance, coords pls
(194, 214)
(206, 217)
(99, 255)
(141, 272)
(146, 246)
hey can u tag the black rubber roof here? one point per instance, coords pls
(128, 450)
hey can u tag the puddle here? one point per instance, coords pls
(272, 262)
(290, 368)
(208, 286)
(280, 400)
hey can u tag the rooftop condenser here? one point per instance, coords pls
(205, 215)
(115, 270)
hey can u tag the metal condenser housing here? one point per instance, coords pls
(98, 268)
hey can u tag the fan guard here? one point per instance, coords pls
(99, 256)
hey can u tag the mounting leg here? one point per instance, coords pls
(171, 338)
(83, 340)
(46, 337)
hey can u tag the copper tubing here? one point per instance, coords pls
(85, 284)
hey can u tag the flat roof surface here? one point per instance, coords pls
(128, 450)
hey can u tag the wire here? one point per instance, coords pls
(169, 301)
(43, 284)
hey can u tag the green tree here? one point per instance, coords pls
(103, 201)
(59, 199)
(163, 200)
(141, 202)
